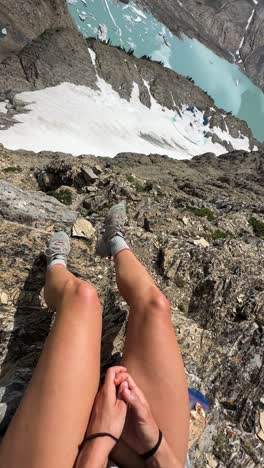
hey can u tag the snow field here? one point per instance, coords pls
(79, 120)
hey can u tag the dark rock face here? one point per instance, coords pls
(41, 46)
(220, 25)
(199, 228)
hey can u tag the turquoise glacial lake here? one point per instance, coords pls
(131, 27)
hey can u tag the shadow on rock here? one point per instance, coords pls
(27, 336)
(114, 319)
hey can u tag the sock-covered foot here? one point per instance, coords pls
(58, 249)
(112, 240)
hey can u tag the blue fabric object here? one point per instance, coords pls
(197, 397)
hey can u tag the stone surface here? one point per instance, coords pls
(89, 176)
(83, 228)
(42, 47)
(261, 422)
(201, 242)
(31, 206)
(3, 298)
(216, 293)
(97, 169)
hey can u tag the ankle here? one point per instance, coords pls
(57, 262)
(117, 244)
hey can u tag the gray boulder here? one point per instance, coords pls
(17, 205)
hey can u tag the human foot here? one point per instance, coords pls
(58, 249)
(112, 240)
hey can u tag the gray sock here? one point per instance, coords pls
(57, 261)
(117, 243)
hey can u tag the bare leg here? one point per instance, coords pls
(151, 351)
(52, 418)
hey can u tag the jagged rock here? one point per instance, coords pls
(62, 188)
(3, 298)
(197, 426)
(97, 169)
(46, 180)
(94, 203)
(40, 53)
(91, 189)
(129, 193)
(83, 228)
(261, 422)
(88, 203)
(211, 461)
(201, 242)
(17, 205)
(89, 176)
(184, 219)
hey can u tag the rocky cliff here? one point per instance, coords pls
(197, 225)
(138, 81)
(40, 46)
(234, 30)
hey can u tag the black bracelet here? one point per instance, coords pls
(95, 436)
(151, 452)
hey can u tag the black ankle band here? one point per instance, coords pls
(151, 452)
(95, 436)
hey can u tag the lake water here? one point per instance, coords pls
(131, 27)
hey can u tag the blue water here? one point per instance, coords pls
(131, 27)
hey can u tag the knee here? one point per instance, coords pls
(82, 292)
(158, 305)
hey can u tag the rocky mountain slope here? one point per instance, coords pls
(156, 109)
(52, 52)
(197, 225)
(40, 46)
(234, 30)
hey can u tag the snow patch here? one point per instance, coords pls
(93, 56)
(243, 38)
(80, 120)
(250, 19)
(3, 107)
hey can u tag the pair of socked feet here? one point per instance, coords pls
(111, 242)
